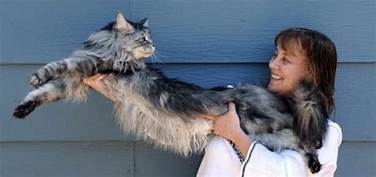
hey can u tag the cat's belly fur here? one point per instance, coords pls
(137, 116)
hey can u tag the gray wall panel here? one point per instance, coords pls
(357, 159)
(37, 31)
(355, 101)
(157, 163)
(67, 159)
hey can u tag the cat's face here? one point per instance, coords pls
(134, 38)
(141, 45)
(122, 38)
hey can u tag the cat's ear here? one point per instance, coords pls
(145, 22)
(122, 24)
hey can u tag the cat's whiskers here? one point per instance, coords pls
(156, 59)
(164, 51)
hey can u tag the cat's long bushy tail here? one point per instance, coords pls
(311, 120)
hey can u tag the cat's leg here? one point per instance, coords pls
(48, 72)
(78, 66)
(49, 92)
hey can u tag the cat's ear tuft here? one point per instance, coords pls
(122, 24)
(145, 22)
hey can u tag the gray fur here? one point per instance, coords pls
(165, 111)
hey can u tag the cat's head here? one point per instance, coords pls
(122, 40)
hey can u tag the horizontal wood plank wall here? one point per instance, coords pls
(206, 42)
(186, 31)
(63, 159)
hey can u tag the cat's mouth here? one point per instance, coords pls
(149, 51)
(143, 52)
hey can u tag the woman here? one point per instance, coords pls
(301, 54)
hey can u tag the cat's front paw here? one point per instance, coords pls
(36, 80)
(24, 109)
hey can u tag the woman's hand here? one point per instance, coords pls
(228, 126)
(95, 80)
(96, 83)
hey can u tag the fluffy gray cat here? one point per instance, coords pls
(165, 111)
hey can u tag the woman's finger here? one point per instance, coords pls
(94, 78)
(207, 116)
(99, 76)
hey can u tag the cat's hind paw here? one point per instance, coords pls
(24, 109)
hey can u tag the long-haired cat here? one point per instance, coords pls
(166, 111)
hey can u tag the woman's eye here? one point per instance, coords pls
(285, 60)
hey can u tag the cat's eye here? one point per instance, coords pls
(143, 39)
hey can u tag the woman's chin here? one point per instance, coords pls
(276, 87)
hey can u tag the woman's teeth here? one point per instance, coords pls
(276, 77)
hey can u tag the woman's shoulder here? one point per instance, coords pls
(334, 127)
(334, 132)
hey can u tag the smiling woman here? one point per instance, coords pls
(301, 54)
(305, 55)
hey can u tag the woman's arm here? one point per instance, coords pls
(220, 160)
(260, 161)
(96, 83)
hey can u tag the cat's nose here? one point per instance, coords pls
(152, 48)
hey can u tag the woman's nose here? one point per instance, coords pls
(273, 63)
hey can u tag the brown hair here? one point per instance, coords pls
(322, 58)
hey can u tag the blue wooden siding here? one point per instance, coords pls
(207, 42)
(186, 31)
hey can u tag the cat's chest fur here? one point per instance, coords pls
(139, 115)
(131, 89)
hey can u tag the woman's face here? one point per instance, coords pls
(287, 68)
